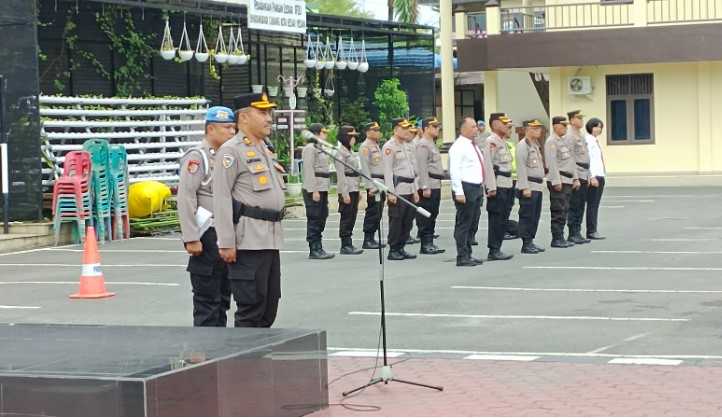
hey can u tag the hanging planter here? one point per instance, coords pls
(273, 91)
(352, 56)
(233, 58)
(330, 59)
(310, 60)
(341, 55)
(329, 88)
(257, 88)
(167, 50)
(187, 53)
(202, 52)
(220, 52)
(363, 65)
(238, 49)
(302, 91)
(320, 54)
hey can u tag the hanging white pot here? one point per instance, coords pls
(330, 59)
(302, 91)
(352, 56)
(329, 89)
(201, 46)
(257, 88)
(363, 65)
(184, 47)
(273, 91)
(287, 91)
(329, 92)
(167, 49)
(221, 53)
(320, 54)
(341, 55)
(310, 60)
(238, 49)
(233, 58)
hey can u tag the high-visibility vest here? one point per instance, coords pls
(512, 150)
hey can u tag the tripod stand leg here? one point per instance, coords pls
(439, 388)
(371, 383)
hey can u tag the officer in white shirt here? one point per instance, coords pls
(466, 168)
(597, 170)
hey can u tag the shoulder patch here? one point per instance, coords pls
(228, 160)
(193, 166)
(251, 154)
(365, 150)
(388, 151)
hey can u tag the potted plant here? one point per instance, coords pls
(202, 52)
(257, 88)
(273, 91)
(294, 186)
(220, 53)
(302, 91)
(187, 53)
(167, 50)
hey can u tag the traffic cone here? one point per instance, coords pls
(92, 283)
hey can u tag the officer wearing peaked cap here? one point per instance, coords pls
(372, 166)
(497, 165)
(430, 175)
(577, 143)
(315, 193)
(248, 199)
(530, 180)
(348, 188)
(209, 273)
(561, 179)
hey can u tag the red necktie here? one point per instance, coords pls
(604, 166)
(481, 162)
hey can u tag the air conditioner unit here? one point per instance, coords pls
(579, 85)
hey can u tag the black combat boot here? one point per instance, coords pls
(428, 246)
(317, 252)
(529, 248)
(348, 248)
(578, 239)
(395, 254)
(407, 256)
(538, 248)
(370, 243)
(497, 255)
(411, 240)
(559, 242)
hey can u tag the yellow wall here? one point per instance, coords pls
(687, 100)
(519, 98)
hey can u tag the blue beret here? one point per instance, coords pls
(219, 114)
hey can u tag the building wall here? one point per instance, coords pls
(518, 98)
(687, 98)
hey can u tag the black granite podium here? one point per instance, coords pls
(87, 370)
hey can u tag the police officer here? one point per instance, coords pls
(315, 193)
(430, 175)
(497, 166)
(530, 178)
(578, 145)
(209, 274)
(348, 186)
(248, 199)
(400, 178)
(512, 227)
(372, 166)
(561, 179)
(411, 151)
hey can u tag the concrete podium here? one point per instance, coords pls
(88, 370)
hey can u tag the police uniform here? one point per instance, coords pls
(561, 171)
(428, 162)
(578, 145)
(315, 180)
(497, 165)
(530, 175)
(209, 273)
(372, 166)
(248, 198)
(348, 187)
(512, 227)
(411, 152)
(400, 179)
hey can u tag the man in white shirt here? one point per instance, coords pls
(466, 168)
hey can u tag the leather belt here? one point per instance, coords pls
(239, 209)
(351, 174)
(401, 179)
(537, 180)
(503, 173)
(324, 175)
(583, 165)
(436, 176)
(377, 176)
(567, 175)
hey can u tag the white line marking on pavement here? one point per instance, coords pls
(19, 307)
(680, 239)
(611, 207)
(122, 251)
(36, 250)
(500, 357)
(365, 354)
(539, 354)
(655, 252)
(178, 238)
(624, 268)
(665, 195)
(703, 227)
(626, 340)
(540, 289)
(646, 361)
(547, 317)
(671, 218)
(628, 201)
(110, 283)
(79, 265)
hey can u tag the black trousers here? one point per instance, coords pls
(467, 215)
(374, 209)
(510, 205)
(348, 215)
(427, 226)
(401, 220)
(496, 207)
(316, 215)
(594, 198)
(256, 286)
(211, 287)
(529, 214)
(576, 208)
(477, 218)
(559, 205)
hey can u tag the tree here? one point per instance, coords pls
(406, 11)
(392, 102)
(348, 8)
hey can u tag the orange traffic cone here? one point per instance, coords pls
(92, 283)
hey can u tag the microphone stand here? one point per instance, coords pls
(386, 373)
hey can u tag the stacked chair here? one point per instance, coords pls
(100, 185)
(72, 195)
(119, 192)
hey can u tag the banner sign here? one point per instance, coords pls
(277, 15)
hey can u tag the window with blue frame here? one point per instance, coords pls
(630, 109)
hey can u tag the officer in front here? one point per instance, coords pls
(348, 188)
(372, 166)
(315, 193)
(400, 179)
(529, 185)
(248, 197)
(431, 173)
(209, 274)
(561, 179)
(497, 166)
(577, 143)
